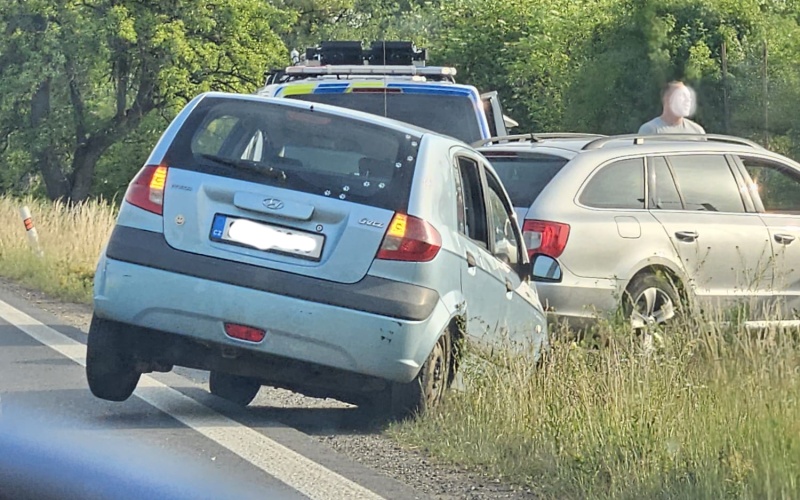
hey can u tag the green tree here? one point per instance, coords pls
(79, 76)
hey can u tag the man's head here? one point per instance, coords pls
(678, 100)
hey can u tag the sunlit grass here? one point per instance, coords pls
(710, 413)
(71, 240)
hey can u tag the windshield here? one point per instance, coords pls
(452, 115)
(525, 175)
(298, 149)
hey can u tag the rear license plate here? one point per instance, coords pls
(267, 237)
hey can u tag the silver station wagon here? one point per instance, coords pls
(645, 221)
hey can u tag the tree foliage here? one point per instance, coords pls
(79, 76)
(87, 86)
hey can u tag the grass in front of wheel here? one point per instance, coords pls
(709, 414)
(71, 239)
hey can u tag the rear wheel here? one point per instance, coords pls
(235, 388)
(110, 368)
(651, 302)
(428, 389)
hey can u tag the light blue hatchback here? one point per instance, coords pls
(327, 251)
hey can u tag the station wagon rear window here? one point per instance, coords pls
(525, 175)
(299, 149)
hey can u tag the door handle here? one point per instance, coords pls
(509, 286)
(471, 262)
(686, 235)
(784, 239)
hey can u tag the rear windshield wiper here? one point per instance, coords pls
(253, 166)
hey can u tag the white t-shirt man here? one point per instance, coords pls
(658, 126)
(679, 104)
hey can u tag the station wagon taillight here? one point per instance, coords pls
(146, 190)
(410, 239)
(541, 236)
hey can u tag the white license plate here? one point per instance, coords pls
(267, 237)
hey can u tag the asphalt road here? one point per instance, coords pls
(170, 420)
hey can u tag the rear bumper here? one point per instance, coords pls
(325, 333)
(579, 301)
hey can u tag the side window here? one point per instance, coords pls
(501, 225)
(707, 183)
(778, 185)
(617, 185)
(471, 209)
(666, 195)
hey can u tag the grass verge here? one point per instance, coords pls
(71, 239)
(708, 414)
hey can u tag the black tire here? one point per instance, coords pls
(110, 368)
(235, 388)
(428, 389)
(651, 300)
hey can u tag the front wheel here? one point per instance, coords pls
(110, 368)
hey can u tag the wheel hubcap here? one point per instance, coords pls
(651, 308)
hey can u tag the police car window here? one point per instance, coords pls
(453, 115)
(616, 185)
(471, 206)
(706, 183)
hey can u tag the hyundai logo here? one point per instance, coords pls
(273, 204)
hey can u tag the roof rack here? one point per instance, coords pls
(534, 137)
(640, 139)
(436, 73)
(348, 58)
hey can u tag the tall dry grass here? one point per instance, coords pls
(71, 239)
(712, 413)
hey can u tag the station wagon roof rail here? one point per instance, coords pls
(640, 139)
(535, 137)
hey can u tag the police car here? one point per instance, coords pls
(390, 79)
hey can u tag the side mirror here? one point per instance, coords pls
(545, 268)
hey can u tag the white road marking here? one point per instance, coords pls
(295, 470)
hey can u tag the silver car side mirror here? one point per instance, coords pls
(546, 268)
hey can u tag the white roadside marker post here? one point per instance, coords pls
(33, 236)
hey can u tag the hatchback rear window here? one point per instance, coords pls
(452, 115)
(526, 175)
(297, 149)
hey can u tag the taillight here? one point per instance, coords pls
(549, 238)
(146, 190)
(410, 239)
(243, 332)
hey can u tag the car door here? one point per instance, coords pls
(776, 190)
(723, 244)
(523, 318)
(482, 285)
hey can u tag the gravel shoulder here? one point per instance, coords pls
(357, 438)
